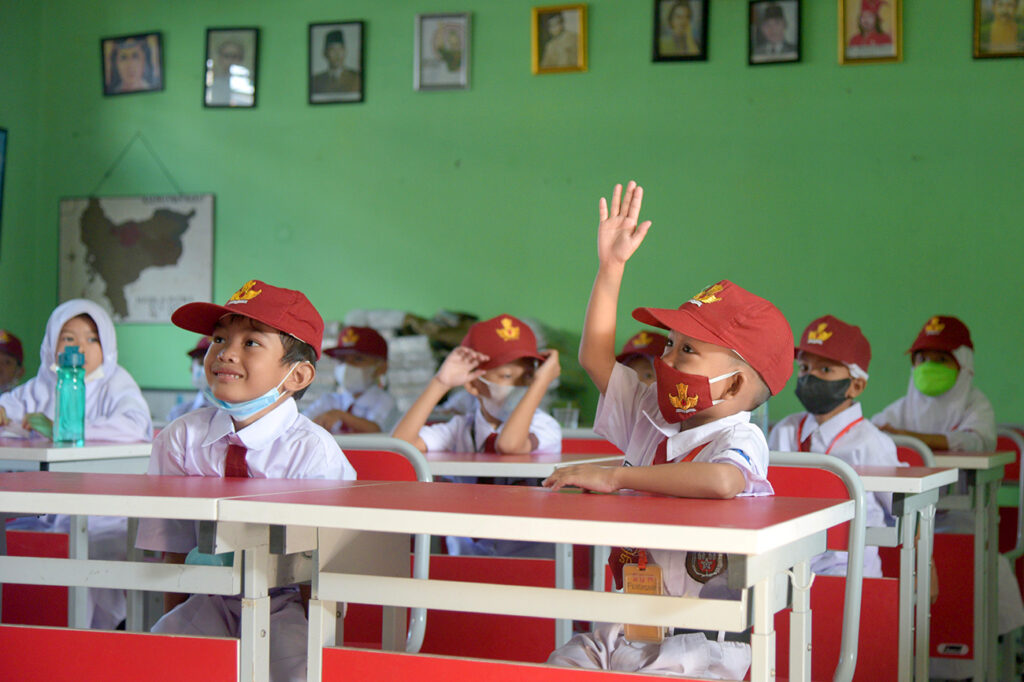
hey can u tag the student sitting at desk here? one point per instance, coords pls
(114, 411)
(832, 363)
(265, 344)
(198, 380)
(688, 435)
(498, 363)
(361, 404)
(11, 359)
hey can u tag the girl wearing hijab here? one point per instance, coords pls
(114, 411)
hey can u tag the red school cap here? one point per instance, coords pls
(831, 338)
(11, 344)
(199, 352)
(363, 340)
(647, 344)
(942, 332)
(503, 339)
(286, 310)
(728, 315)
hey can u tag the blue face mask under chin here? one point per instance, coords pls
(248, 408)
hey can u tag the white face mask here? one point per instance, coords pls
(502, 400)
(198, 374)
(353, 379)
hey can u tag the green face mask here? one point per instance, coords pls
(934, 378)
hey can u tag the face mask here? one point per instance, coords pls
(353, 379)
(682, 395)
(502, 400)
(819, 396)
(198, 375)
(248, 408)
(934, 378)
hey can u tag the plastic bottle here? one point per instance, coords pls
(69, 415)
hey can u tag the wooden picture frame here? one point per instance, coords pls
(132, 64)
(231, 69)
(337, 68)
(558, 39)
(870, 31)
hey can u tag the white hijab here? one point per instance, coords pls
(114, 407)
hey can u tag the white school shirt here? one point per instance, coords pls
(374, 404)
(628, 416)
(281, 444)
(863, 445)
(182, 408)
(467, 433)
(114, 407)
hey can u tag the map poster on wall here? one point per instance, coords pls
(139, 257)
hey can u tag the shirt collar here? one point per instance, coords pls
(257, 435)
(833, 426)
(686, 439)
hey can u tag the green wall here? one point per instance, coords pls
(880, 193)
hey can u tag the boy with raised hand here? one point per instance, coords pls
(688, 435)
(265, 342)
(832, 363)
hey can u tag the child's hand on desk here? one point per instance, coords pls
(618, 234)
(460, 367)
(37, 421)
(328, 419)
(588, 476)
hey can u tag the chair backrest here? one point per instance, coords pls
(1010, 438)
(589, 446)
(912, 451)
(376, 457)
(808, 474)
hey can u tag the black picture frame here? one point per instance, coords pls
(680, 37)
(774, 32)
(330, 82)
(132, 64)
(231, 67)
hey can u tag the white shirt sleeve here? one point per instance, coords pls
(443, 437)
(620, 405)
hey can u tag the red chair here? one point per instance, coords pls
(913, 452)
(835, 601)
(1011, 518)
(589, 446)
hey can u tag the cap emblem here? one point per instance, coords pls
(642, 340)
(819, 336)
(245, 294)
(508, 330)
(681, 401)
(4, 338)
(350, 337)
(934, 327)
(707, 295)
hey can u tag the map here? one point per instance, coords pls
(139, 257)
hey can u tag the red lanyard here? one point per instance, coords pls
(828, 451)
(661, 453)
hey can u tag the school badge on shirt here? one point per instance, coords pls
(703, 566)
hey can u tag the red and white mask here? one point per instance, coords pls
(682, 395)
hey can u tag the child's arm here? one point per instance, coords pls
(357, 424)
(936, 441)
(713, 480)
(460, 367)
(618, 236)
(515, 436)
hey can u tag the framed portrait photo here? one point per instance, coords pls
(132, 64)
(558, 38)
(336, 68)
(232, 64)
(870, 31)
(680, 30)
(774, 32)
(998, 28)
(441, 54)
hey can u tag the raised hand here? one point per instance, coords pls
(460, 367)
(618, 234)
(548, 370)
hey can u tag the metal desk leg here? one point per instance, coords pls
(992, 578)
(135, 619)
(323, 618)
(563, 581)
(78, 548)
(906, 592)
(924, 597)
(762, 641)
(800, 623)
(254, 647)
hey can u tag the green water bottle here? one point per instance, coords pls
(69, 414)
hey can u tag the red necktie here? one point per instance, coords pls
(661, 453)
(234, 464)
(489, 444)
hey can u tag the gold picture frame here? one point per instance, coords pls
(870, 31)
(998, 29)
(558, 38)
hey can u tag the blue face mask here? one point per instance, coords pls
(248, 408)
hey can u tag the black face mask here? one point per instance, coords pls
(819, 396)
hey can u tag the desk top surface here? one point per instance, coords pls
(746, 525)
(973, 460)
(515, 466)
(45, 450)
(908, 480)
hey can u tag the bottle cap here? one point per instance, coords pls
(71, 357)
